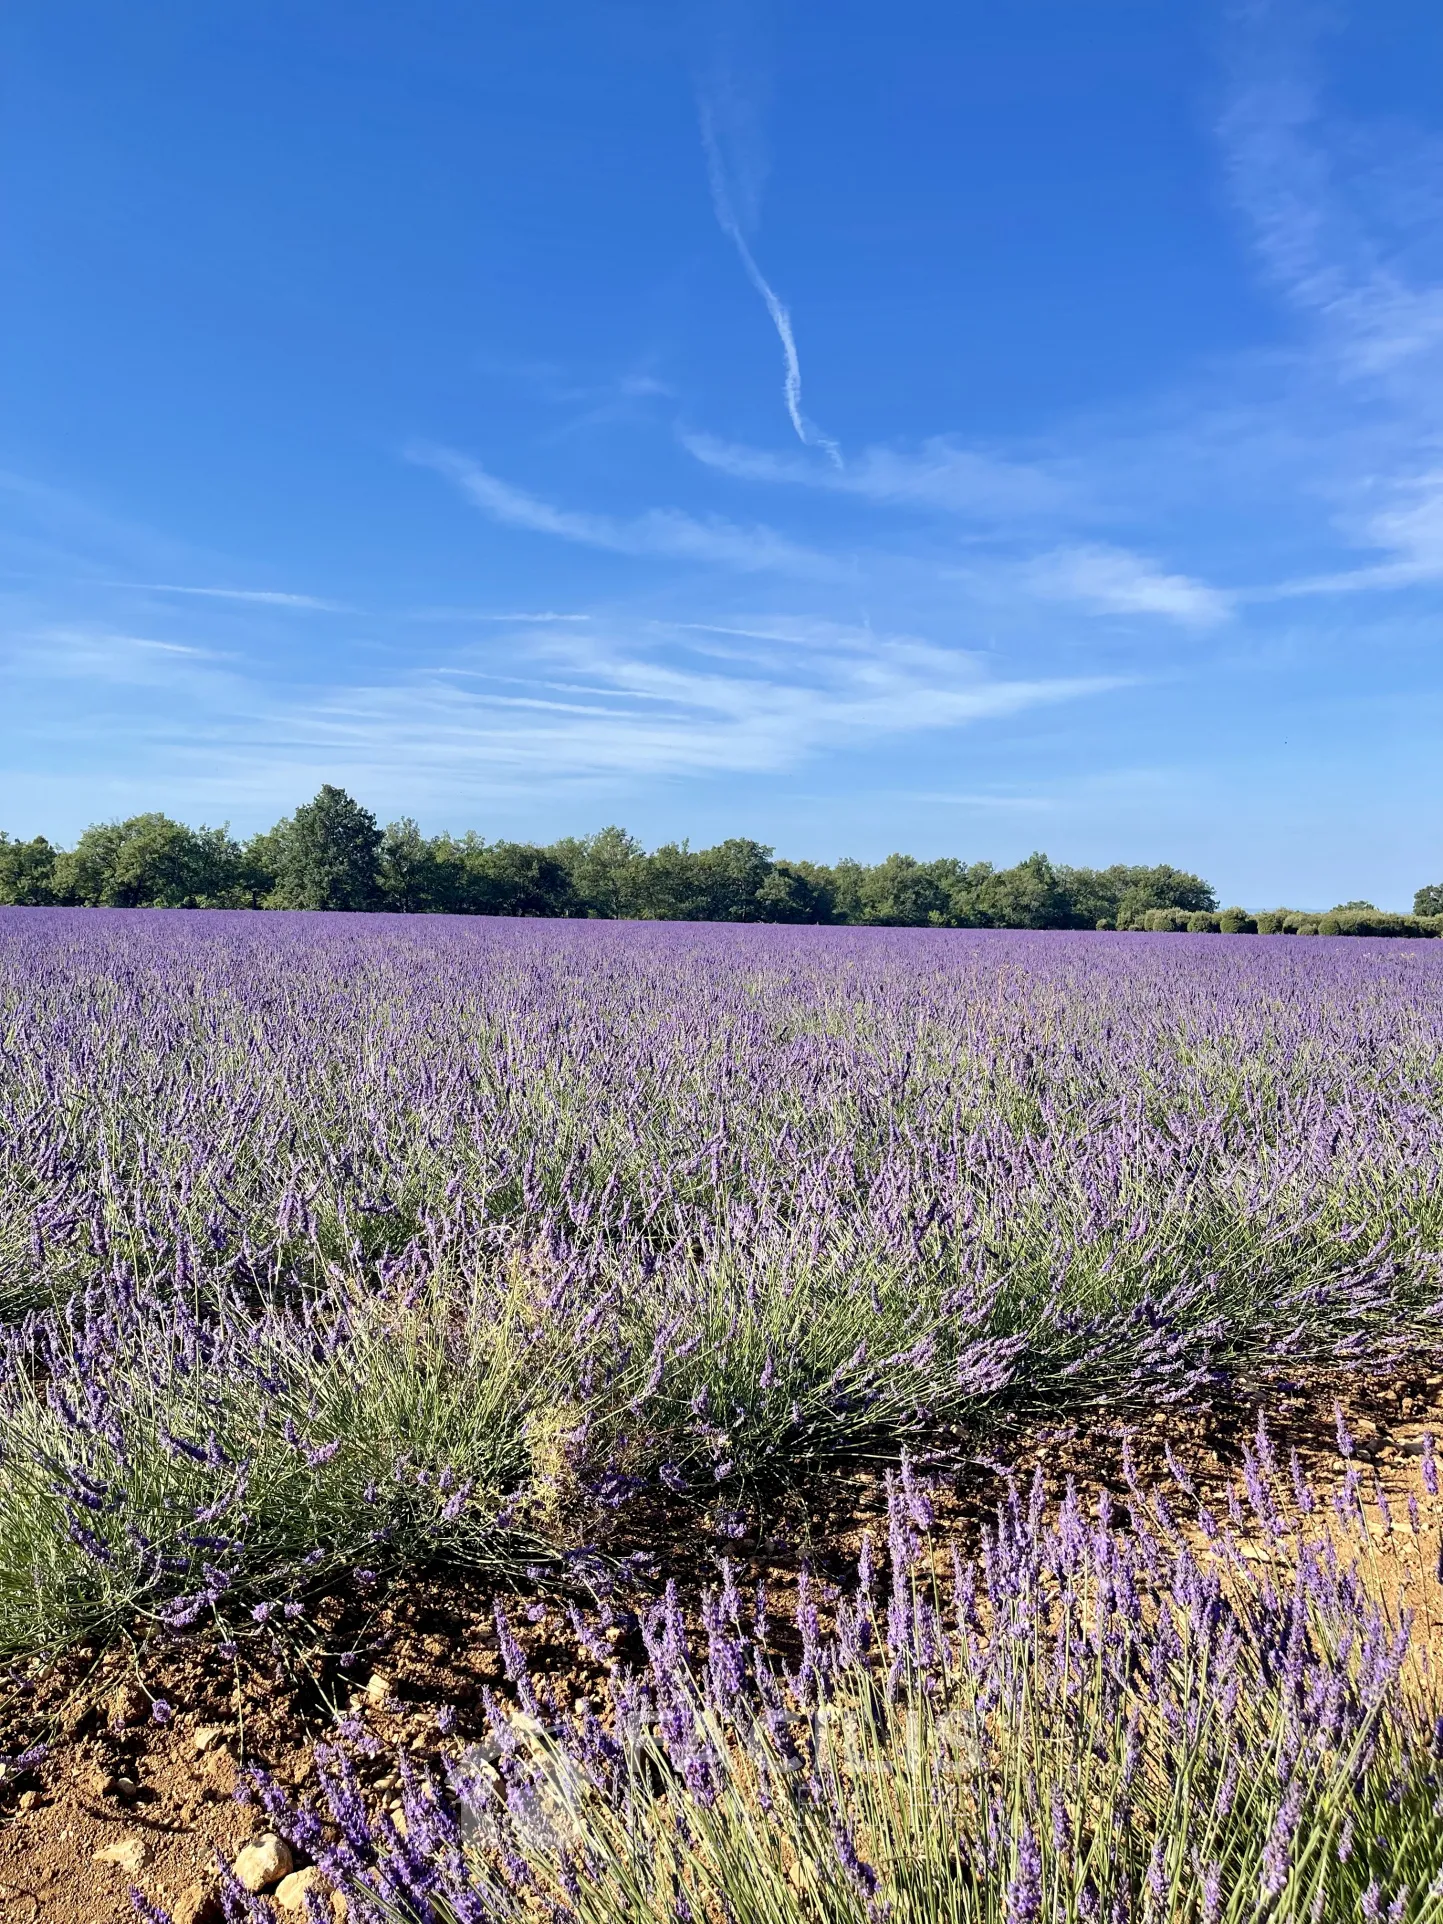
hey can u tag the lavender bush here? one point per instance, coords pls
(328, 1240)
(1111, 1715)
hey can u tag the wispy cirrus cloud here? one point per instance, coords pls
(1343, 217)
(1013, 501)
(1114, 581)
(659, 531)
(1347, 222)
(659, 701)
(92, 654)
(941, 474)
(259, 597)
(1409, 530)
(1331, 447)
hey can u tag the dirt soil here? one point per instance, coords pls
(149, 1739)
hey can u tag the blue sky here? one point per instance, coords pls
(947, 427)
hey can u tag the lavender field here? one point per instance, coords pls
(339, 1244)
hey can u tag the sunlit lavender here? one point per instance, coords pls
(337, 1245)
(331, 1238)
(1146, 1711)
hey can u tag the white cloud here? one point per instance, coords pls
(265, 597)
(652, 704)
(1114, 581)
(1410, 529)
(85, 653)
(659, 531)
(1327, 204)
(941, 474)
(518, 619)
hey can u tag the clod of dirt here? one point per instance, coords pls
(130, 1854)
(218, 1773)
(208, 1736)
(201, 1904)
(127, 1706)
(263, 1862)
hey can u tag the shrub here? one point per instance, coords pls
(1095, 1719)
(1370, 922)
(1200, 922)
(1237, 922)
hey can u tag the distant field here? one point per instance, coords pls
(336, 1244)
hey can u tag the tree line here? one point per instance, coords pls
(332, 854)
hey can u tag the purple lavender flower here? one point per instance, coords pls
(1024, 1891)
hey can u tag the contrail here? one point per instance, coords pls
(807, 434)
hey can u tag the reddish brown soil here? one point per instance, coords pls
(113, 1773)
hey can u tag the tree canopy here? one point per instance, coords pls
(332, 854)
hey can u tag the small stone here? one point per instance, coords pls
(262, 1862)
(130, 1854)
(378, 1690)
(207, 1737)
(200, 1904)
(29, 1799)
(291, 1892)
(126, 1789)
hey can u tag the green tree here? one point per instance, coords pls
(414, 876)
(149, 861)
(1429, 901)
(526, 880)
(796, 892)
(903, 893)
(476, 877)
(605, 869)
(327, 855)
(1028, 895)
(843, 880)
(731, 877)
(27, 871)
(670, 886)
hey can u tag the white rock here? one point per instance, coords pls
(263, 1861)
(131, 1854)
(291, 1892)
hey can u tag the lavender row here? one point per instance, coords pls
(327, 1239)
(1158, 1712)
